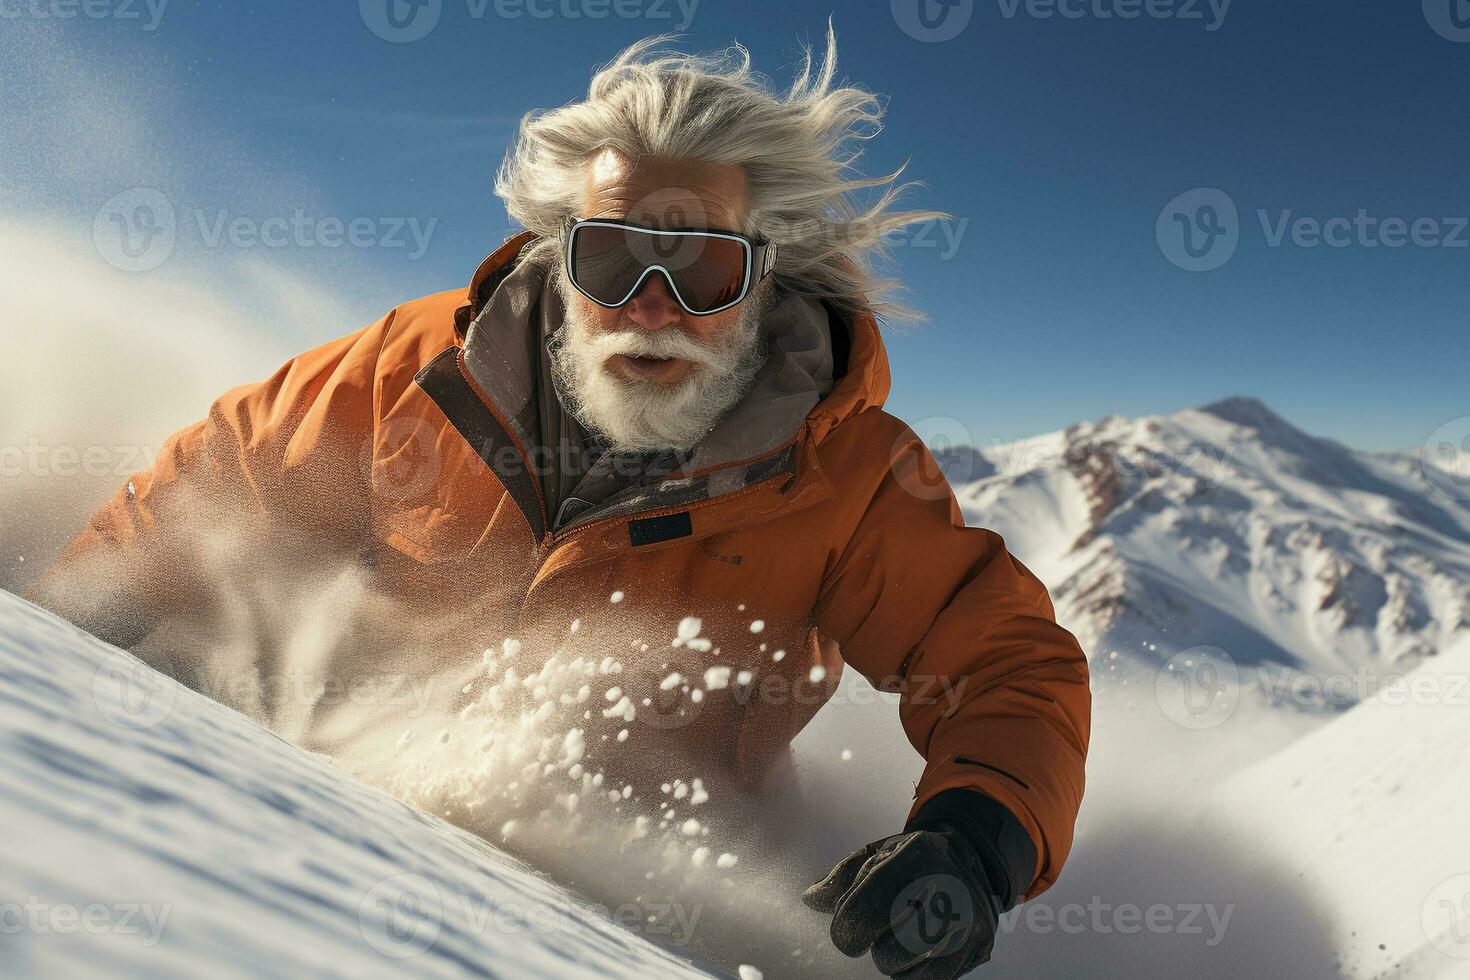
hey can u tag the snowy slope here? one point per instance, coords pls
(1227, 527)
(1319, 577)
(1294, 842)
(1373, 807)
(150, 832)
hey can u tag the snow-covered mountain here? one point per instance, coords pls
(1227, 527)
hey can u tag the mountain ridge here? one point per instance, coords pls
(1226, 526)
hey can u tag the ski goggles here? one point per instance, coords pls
(707, 271)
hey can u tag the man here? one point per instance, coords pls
(668, 390)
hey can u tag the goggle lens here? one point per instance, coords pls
(708, 271)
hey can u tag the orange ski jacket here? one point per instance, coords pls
(842, 537)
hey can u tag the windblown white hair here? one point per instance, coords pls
(799, 151)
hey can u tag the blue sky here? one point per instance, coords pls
(1055, 141)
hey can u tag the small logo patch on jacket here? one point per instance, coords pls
(651, 530)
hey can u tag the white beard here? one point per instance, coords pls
(645, 416)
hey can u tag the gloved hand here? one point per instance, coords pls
(927, 902)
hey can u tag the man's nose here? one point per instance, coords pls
(653, 307)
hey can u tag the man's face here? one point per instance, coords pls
(661, 194)
(648, 374)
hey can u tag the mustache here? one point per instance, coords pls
(671, 343)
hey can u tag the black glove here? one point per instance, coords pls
(927, 902)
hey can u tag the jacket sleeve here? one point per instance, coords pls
(282, 454)
(994, 693)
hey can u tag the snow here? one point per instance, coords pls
(150, 832)
(1373, 805)
(1305, 823)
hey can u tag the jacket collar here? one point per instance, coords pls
(495, 422)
